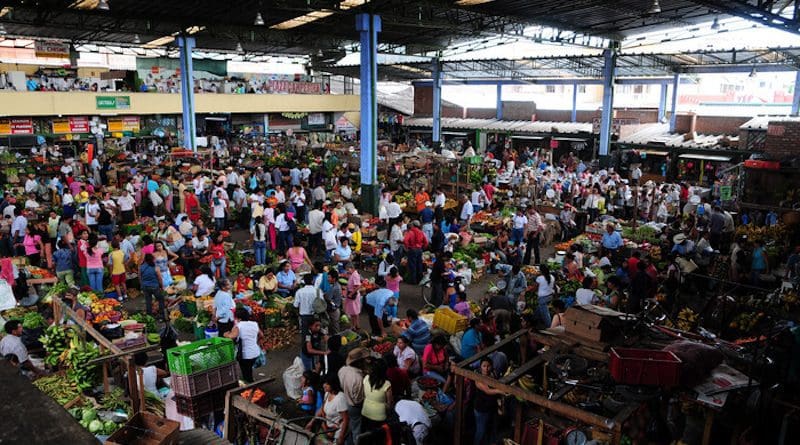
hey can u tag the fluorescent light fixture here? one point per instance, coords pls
(239, 48)
(312, 16)
(344, 5)
(161, 41)
(102, 5)
(655, 9)
(6, 10)
(472, 2)
(715, 24)
(136, 39)
(259, 20)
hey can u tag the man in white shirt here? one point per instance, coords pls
(439, 201)
(305, 173)
(280, 195)
(393, 210)
(318, 195)
(346, 192)
(636, 174)
(315, 219)
(413, 414)
(31, 185)
(518, 223)
(477, 198)
(304, 302)
(92, 212)
(466, 210)
(204, 284)
(127, 207)
(12, 344)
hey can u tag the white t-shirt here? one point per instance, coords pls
(520, 221)
(545, 287)
(404, 355)
(205, 285)
(248, 337)
(585, 296)
(11, 344)
(92, 209)
(219, 208)
(334, 408)
(126, 203)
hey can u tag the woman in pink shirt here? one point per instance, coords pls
(33, 246)
(352, 301)
(94, 265)
(393, 280)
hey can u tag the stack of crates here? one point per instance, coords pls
(202, 372)
(449, 321)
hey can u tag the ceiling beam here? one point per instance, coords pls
(759, 12)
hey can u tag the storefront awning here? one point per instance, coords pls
(705, 157)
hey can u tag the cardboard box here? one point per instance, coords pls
(591, 322)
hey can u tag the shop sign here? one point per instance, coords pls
(123, 124)
(113, 102)
(725, 192)
(16, 126)
(71, 125)
(52, 49)
(316, 119)
(290, 87)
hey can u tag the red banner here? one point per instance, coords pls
(79, 125)
(16, 126)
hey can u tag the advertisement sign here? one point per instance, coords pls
(316, 119)
(16, 126)
(123, 124)
(71, 125)
(52, 49)
(289, 87)
(113, 102)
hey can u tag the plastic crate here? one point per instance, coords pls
(196, 407)
(644, 367)
(449, 321)
(146, 429)
(201, 355)
(206, 381)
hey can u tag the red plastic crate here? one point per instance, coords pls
(762, 164)
(205, 381)
(644, 367)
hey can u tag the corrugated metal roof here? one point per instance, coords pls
(762, 122)
(500, 125)
(658, 134)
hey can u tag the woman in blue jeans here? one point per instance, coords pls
(151, 284)
(485, 405)
(258, 233)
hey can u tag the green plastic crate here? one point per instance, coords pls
(201, 355)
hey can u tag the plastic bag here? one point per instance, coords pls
(7, 300)
(291, 379)
(455, 342)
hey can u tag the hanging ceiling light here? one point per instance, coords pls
(320, 53)
(753, 72)
(655, 9)
(102, 5)
(3, 30)
(239, 48)
(715, 24)
(259, 20)
(136, 39)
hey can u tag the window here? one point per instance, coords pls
(581, 88)
(550, 89)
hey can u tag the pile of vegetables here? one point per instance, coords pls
(115, 400)
(78, 355)
(58, 387)
(57, 289)
(105, 305)
(183, 325)
(147, 320)
(235, 262)
(33, 320)
(55, 341)
(86, 298)
(88, 419)
(279, 338)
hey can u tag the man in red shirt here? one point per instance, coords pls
(415, 241)
(633, 263)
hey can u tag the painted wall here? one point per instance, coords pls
(84, 103)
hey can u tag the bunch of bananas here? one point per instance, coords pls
(790, 298)
(55, 340)
(58, 388)
(745, 322)
(687, 319)
(78, 355)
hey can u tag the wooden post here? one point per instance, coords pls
(459, 409)
(133, 387)
(708, 427)
(518, 422)
(106, 385)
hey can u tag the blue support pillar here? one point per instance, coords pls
(610, 58)
(369, 26)
(673, 117)
(662, 103)
(186, 45)
(437, 102)
(574, 116)
(796, 98)
(499, 113)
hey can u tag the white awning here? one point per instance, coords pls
(706, 157)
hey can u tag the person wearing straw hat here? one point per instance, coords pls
(351, 377)
(682, 245)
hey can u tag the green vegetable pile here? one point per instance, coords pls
(183, 325)
(88, 419)
(115, 400)
(55, 341)
(147, 320)
(33, 320)
(57, 289)
(58, 387)
(78, 355)
(235, 262)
